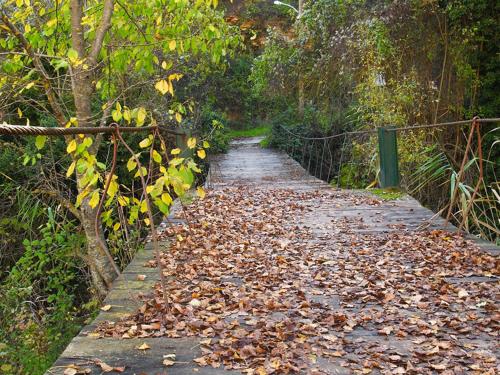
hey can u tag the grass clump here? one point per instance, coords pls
(388, 194)
(251, 132)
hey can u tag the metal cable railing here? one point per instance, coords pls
(328, 158)
(317, 155)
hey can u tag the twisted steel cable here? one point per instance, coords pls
(414, 127)
(39, 130)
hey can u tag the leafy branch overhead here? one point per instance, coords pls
(101, 62)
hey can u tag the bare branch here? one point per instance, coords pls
(107, 13)
(63, 201)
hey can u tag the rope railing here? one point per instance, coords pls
(116, 133)
(55, 131)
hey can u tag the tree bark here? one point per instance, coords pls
(102, 270)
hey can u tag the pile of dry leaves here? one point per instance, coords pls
(269, 296)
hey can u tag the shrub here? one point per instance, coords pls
(40, 299)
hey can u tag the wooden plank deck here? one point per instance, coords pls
(247, 164)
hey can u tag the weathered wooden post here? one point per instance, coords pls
(388, 155)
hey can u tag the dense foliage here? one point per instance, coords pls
(365, 65)
(85, 64)
(213, 72)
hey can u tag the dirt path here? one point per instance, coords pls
(279, 273)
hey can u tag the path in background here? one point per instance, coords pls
(380, 291)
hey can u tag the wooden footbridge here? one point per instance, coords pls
(373, 288)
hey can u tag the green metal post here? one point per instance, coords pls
(388, 154)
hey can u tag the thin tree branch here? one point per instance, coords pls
(63, 201)
(49, 91)
(107, 13)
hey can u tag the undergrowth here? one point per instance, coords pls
(43, 299)
(251, 132)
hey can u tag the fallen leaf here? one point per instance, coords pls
(144, 346)
(462, 293)
(195, 302)
(386, 330)
(107, 368)
(168, 362)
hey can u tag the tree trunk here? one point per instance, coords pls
(101, 267)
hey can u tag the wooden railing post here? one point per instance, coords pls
(388, 155)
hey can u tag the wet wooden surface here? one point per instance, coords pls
(249, 165)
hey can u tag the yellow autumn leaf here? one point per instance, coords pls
(178, 117)
(206, 144)
(40, 141)
(94, 199)
(162, 86)
(113, 188)
(116, 227)
(116, 114)
(144, 206)
(156, 156)
(140, 171)
(51, 22)
(166, 198)
(201, 153)
(145, 143)
(176, 76)
(126, 115)
(201, 193)
(19, 112)
(72, 121)
(71, 169)
(172, 44)
(123, 201)
(71, 146)
(141, 115)
(131, 164)
(191, 142)
(175, 151)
